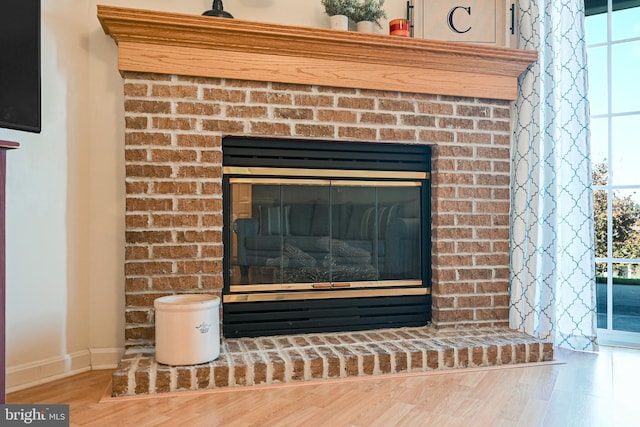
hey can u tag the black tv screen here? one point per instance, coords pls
(20, 65)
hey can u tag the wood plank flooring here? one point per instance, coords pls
(584, 390)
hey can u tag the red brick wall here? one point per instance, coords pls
(174, 129)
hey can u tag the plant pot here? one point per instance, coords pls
(366, 27)
(339, 22)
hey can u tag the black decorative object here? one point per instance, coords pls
(217, 10)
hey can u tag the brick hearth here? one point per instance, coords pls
(290, 359)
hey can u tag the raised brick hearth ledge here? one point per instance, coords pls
(312, 357)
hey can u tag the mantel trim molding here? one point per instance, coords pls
(194, 45)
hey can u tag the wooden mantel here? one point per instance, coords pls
(194, 45)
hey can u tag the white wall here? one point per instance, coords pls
(65, 192)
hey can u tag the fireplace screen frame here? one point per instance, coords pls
(254, 309)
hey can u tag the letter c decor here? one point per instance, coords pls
(450, 19)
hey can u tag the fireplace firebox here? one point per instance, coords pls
(324, 236)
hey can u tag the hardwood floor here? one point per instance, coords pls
(585, 390)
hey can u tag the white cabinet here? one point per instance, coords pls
(490, 22)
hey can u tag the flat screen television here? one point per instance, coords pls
(20, 102)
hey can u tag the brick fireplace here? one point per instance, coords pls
(173, 152)
(183, 95)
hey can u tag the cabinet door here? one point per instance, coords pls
(489, 22)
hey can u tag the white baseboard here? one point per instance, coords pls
(105, 358)
(618, 338)
(43, 371)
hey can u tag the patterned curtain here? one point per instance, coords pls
(552, 234)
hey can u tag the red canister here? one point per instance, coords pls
(399, 27)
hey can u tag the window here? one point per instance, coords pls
(613, 49)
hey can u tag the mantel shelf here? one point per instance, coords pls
(194, 45)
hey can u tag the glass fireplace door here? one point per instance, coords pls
(304, 234)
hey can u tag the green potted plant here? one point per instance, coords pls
(339, 12)
(367, 13)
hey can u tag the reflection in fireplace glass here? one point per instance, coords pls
(325, 232)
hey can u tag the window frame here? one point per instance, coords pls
(609, 335)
